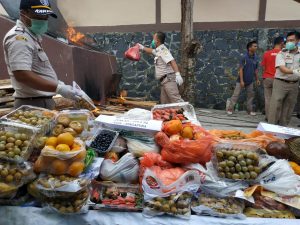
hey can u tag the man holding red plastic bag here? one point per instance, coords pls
(166, 69)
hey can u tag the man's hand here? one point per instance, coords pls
(66, 91)
(242, 84)
(141, 47)
(257, 82)
(179, 79)
(296, 72)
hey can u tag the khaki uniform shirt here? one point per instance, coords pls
(161, 61)
(291, 61)
(23, 51)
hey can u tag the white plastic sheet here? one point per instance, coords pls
(36, 216)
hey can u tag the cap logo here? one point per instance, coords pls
(45, 2)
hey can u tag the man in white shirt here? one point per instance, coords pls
(166, 69)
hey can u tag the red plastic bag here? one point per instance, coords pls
(133, 53)
(167, 176)
(188, 151)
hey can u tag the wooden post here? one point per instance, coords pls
(189, 49)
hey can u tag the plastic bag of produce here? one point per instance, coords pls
(8, 191)
(237, 161)
(149, 160)
(188, 151)
(214, 185)
(209, 205)
(60, 162)
(133, 53)
(16, 174)
(137, 113)
(140, 143)
(173, 199)
(120, 145)
(265, 205)
(280, 178)
(125, 170)
(59, 186)
(76, 204)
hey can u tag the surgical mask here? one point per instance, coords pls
(153, 44)
(38, 27)
(290, 46)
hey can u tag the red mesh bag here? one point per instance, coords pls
(133, 53)
(188, 151)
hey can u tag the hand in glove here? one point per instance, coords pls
(141, 46)
(296, 72)
(179, 79)
(66, 91)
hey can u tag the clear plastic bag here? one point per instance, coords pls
(16, 141)
(125, 170)
(60, 186)
(120, 145)
(8, 191)
(280, 178)
(237, 161)
(35, 117)
(173, 199)
(77, 204)
(85, 102)
(214, 185)
(16, 174)
(75, 122)
(228, 207)
(60, 163)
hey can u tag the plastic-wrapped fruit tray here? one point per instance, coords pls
(237, 161)
(16, 141)
(112, 196)
(103, 140)
(40, 118)
(183, 111)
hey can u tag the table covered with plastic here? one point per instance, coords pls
(38, 216)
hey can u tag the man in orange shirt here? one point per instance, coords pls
(268, 64)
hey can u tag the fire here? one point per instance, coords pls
(74, 36)
(122, 99)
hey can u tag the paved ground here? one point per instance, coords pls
(217, 119)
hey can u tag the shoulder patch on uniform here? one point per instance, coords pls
(21, 38)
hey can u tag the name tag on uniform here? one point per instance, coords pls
(288, 59)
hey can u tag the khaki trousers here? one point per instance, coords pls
(236, 94)
(283, 101)
(169, 92)
(268, 87)
(39, 102)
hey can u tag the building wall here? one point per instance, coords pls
(216, 67)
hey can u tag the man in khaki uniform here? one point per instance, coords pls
(32, 76)
(285, 86)
(166, 69)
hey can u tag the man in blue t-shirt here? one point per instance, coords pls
(248, 70)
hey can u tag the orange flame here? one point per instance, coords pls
(73, 35)
(122, 99)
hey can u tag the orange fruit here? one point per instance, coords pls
(80, 156)
(52, 141)
(63, 148)
(75, 147)
(187, 132)
(46, 160)
(65, 138)
(38, 165)
(172, 127)
(59, 167)
(76, 169)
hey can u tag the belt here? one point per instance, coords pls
(287, 81)
(34, 98)
(164, 76)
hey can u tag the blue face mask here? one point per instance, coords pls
(290, 46)
(153, 44)
(38, 27)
